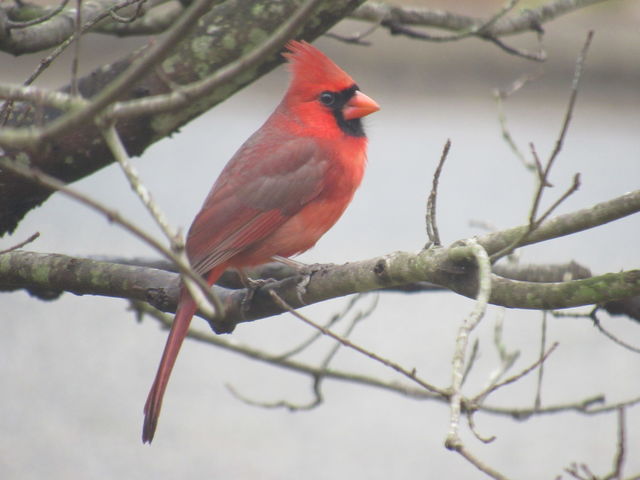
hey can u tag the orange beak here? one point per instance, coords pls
(359, 106)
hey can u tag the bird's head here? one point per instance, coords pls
(322, 92)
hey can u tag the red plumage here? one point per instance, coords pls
(281, 191)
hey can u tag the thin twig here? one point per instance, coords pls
(543, 345)
(618, 461)
(7, 108)
(539, 56)
(176, 241)
(76, 54)
(581, 406)
(611, 336)
(355, 38)
(501, 95)
(472, 426)
(113, 141)
(577, 75)
(507, 359)
(22, 137)
(482, 31)
(596, 323)
(332, 321)
(474, 30)
(192, 92)
(19, 138)
(323, 367)
(21, 244)
(410, 374)
(135, 16)
(11, 25)
(518, 376)
(432, 226)
(112, 216)
(476, 462)
(544, 172)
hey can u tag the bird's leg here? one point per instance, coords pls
(252, 286)
(304, 273)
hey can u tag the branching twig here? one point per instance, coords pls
(482, 30)
(519, 375)
(611, 336)
(5, 112)
(581, 406)
(113, 216)
(355, 38)
(543, 172)
(500, 96)
(596, 322)
(189, 93)
(332, 321)
(410, 374)
(204, 298)
(19, 138)
(323, 367)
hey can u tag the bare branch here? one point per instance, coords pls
(324, 366)
(20, 138)
(530, 19)
(432, 225)
(410, 374)
(453, 440)
(186, 94)
(11, 25)
(611, 336)
(618, 461)
(76, 54)
(357, 38)
(501, 96)
(112, 215)
(543, 173)
(21, 244)
(136, 15)
(476, 462)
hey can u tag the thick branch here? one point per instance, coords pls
(451, 267)
(50, 33)
(527, 20)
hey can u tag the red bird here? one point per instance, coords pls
(281, 191)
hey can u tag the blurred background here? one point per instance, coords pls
(75, 372)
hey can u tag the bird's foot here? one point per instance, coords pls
(252, 286)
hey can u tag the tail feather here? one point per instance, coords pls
(186, 309)
(181, 322)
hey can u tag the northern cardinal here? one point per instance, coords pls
(281, 191)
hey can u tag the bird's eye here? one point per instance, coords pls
(328, 98)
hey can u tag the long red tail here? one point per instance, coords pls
(184, 313)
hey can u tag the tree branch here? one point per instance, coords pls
(452, 268)
(527, 20)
